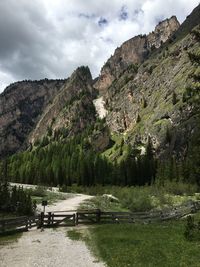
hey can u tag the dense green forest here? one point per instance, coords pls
(75, 161)
(63, 163)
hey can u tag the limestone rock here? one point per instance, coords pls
(134, 51)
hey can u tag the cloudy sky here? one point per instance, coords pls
(50, 38)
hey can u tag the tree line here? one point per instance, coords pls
(75, 161)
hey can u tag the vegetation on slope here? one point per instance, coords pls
(75, 161)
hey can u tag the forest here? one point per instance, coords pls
(74, 161)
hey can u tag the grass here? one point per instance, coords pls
(124, 245)
(74, 235)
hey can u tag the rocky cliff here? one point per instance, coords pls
(21, 105)
(151, 101)
(134, 51)
(71, 109)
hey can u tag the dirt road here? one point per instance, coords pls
(49, 248)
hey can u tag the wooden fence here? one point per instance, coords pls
(18, 224)
(72, 218)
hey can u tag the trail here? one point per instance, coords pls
(68, 204)
(49, 248)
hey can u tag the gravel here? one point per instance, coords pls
(48, 248)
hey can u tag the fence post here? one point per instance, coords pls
(41, 221)
(113, 217)
(26, 228)
(49, 218)
(29, 223)
(74, 219)
(52, 218)
(98, 215)
(77, 218)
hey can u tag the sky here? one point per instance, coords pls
(51, 38)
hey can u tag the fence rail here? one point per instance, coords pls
(65, 218)
(18, 224)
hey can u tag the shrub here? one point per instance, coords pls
(135, 198)
(39, 191)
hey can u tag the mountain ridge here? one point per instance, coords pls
(69, 108)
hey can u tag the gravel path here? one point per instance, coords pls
(49, 248)
(46, 249)
(68, 204)
(65, 205)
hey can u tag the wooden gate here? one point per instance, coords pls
(57, 219)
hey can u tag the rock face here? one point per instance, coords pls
(21, 104)
(134, 51)
(150, 102)
(71, 109)
(162, 32)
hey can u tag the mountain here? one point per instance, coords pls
(71, 108)
(135, 51)
(148, 93)
(21, 105)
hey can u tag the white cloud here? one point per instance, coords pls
(48, 38)
(5, 79)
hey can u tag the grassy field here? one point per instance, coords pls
(129, 245)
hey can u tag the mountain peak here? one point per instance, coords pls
(83, 73)
(163, 30)
(134, 51)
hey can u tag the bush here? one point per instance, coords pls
(39, 191)
(135, 198)
(140, 203)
